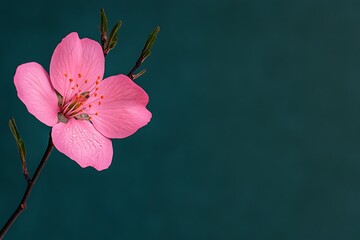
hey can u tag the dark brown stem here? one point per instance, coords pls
(103, 43)
(30, 186)
(26, 174)
(137, 65)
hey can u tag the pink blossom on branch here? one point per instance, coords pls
(83, 109)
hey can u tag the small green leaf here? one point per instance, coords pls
(13, 129)
(139, 74)
(20, 145)
(150, 41)
(113, 37)
(103, 22)
(112, 44)
(146, 52)
(115, 30)
(103, 28)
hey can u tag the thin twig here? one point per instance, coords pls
(137, 65)
(30, 186)
(145, 53)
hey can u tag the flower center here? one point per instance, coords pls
(76, 103)
(74, 107)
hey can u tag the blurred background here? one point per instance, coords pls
(255, 131)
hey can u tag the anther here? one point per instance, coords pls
(96, 113)
(90, 105)
(79, 75)
(102, 97)
(86, 81)
(95, 94)
(99, 103)
(97, 82)
(70, 80)
(65, 75)
(98, 77)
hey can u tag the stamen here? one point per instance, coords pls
(85, 95)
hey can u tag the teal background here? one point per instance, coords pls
(255, 131)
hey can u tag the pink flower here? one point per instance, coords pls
(90, 110)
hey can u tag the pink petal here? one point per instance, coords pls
(122, 108)
(35, 91)
(76, 65)
(81, 142)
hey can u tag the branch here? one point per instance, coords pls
(30, 186)
(108, 42)
(145, 53)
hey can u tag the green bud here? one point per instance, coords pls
(103, 22)
(139, 74)
(20, 145)
(150, 42)
(113, 37)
